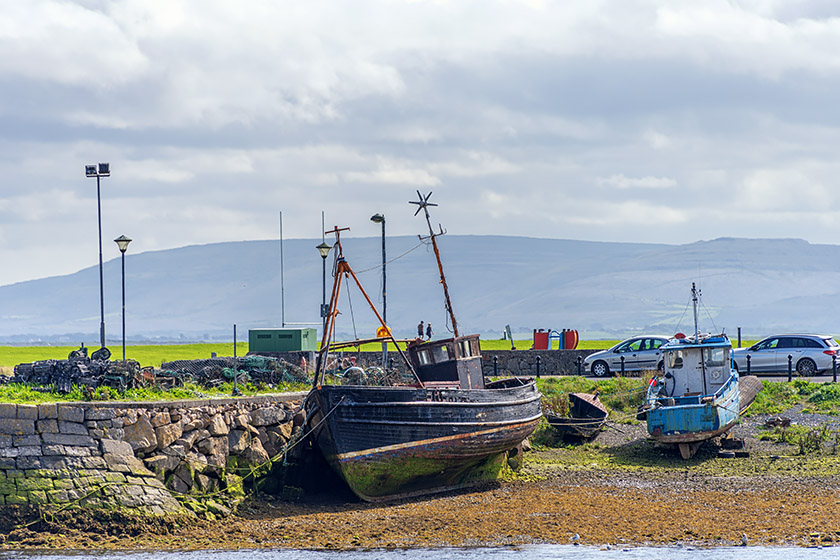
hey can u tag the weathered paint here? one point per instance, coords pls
(391, 442)
(425, 467)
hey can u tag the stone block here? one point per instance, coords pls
(98, 413)
(69, 413)
(27, 484)
(114, 477)
(38, 497)
(27, 412)
(141, 435)
(49, 426)
(17, 426)
(29, 451)
(53, 450)
(94, 463)
(8, 410)
(115, 447)
(55, 462)
(167, 434)
(160, 419)
(8, 486)
(72, 428)
(76, 451)
(7, 463)
(47, 410)
(9, 452)
(19, 441)
(63, 484)
(255, 454)
(218, 426)
(6, 440)
(58, 496)
(238, 441)
(268, 416)
(69, 439)
(178, 484)
(17, 499)
(29, 462)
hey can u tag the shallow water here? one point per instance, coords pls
(540, 552)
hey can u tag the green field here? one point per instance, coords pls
(154, 354)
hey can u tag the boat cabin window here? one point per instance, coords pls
(423, 358)
(715, 356)
(675, 359)
(440, 354)
(465, 348)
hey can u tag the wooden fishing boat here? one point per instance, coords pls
(446, 429)
(697, 397)
(587, 416)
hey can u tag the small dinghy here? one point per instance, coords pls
(587, 415)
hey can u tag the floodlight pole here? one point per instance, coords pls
(102, 170)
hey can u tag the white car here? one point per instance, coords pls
(639, 353)
(809, 354)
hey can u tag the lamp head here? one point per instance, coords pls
(377, 219)
(122, 242)
(324, 249)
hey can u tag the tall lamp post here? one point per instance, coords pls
(122, 242)
(324, 250)
(380, 219)
(101, 170)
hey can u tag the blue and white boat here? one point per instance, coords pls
(697, 397)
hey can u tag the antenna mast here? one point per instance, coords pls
(695, 294)
(424, 204)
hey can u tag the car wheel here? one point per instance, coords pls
(806, 367)
(600, 369)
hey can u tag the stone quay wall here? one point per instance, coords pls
(138, 456)
(508, 362)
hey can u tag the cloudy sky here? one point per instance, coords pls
(606, 120)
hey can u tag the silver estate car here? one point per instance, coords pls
(810, 354)
(639, 353)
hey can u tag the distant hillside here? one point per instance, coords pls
(602, 289)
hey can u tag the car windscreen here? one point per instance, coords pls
(831, 342)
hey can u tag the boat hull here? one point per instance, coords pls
(694, 419)
(393, 442)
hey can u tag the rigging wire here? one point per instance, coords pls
(390, 261)
(350, 303)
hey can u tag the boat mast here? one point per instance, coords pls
(695, 296)
(694, 299)
(424, 204)
(343, 270)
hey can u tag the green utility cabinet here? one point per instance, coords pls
(282, 340)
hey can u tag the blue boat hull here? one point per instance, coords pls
(696, 418)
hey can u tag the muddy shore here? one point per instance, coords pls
(620, 489)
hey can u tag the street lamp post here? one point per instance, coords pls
(380, 219)
(101, 170)
(122, 242)
(324, 250)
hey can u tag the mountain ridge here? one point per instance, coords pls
(602, 289)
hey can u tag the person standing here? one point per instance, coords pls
(429, 331)
(420, 330)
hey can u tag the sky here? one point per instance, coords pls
(604, 120)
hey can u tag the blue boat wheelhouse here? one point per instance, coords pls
(697, 397)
